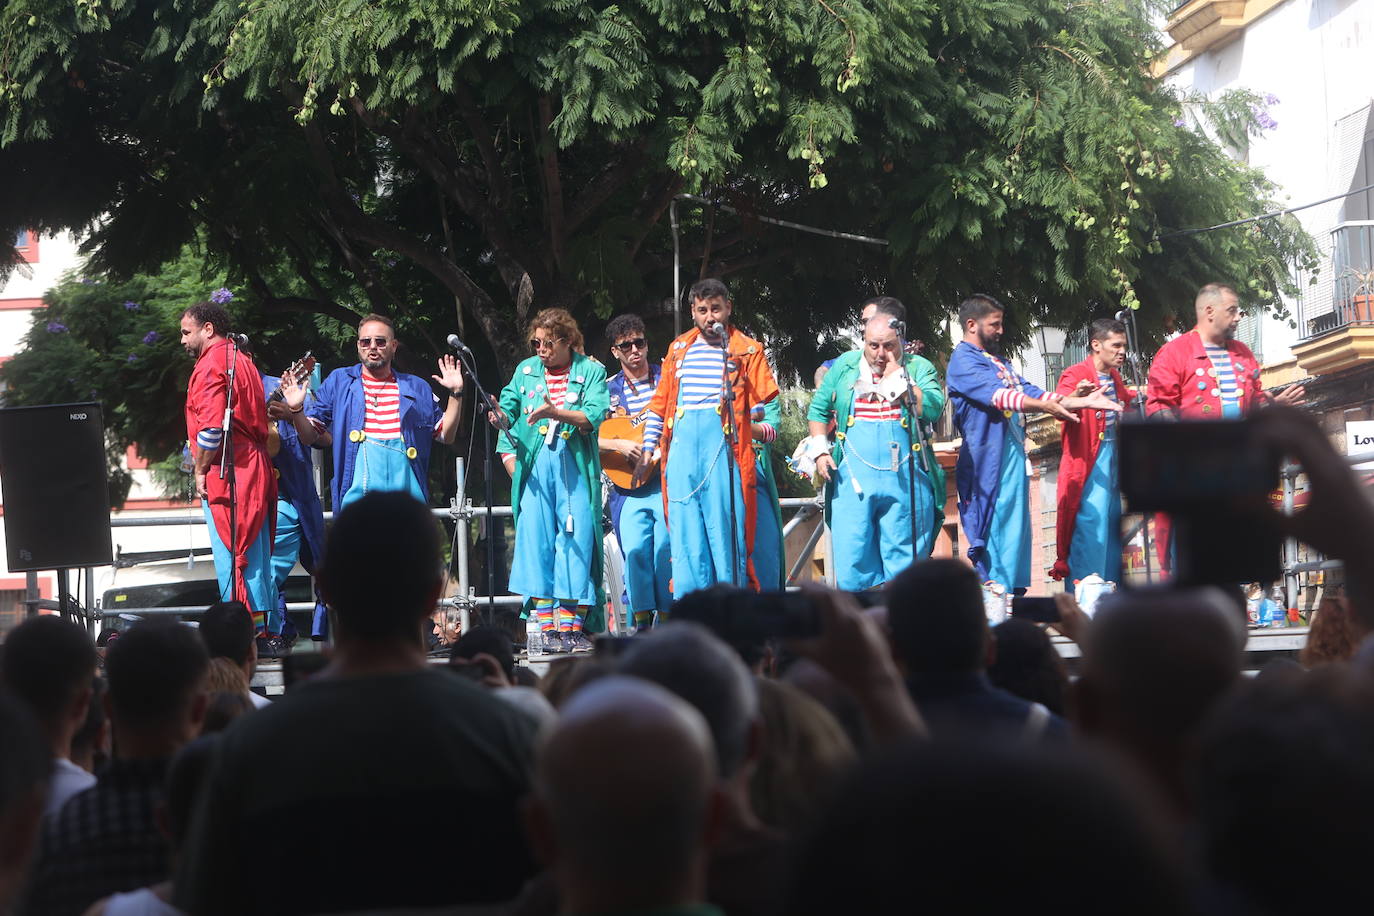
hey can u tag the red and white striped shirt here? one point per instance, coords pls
(556, 386)
(1011, 397)
(382, 408)
(872, 409)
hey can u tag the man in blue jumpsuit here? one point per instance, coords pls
(990, 401)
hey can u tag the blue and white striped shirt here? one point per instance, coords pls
(698, 383)
(637, 394)
(699, 376)
(1226, 373)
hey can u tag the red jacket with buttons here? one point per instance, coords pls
(1181, 379)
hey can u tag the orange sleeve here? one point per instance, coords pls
(761, 381)
(658, 404)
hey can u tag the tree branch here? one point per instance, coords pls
(617, 173)
(352, 221)
(486, 148)
(514, 259)
(651, 210)
(553, 182)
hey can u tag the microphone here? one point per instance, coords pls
(718, 330)
(457, 344)
(1120, 316)
(241, 341)
(897, 325)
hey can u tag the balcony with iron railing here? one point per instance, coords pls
(1341, 337)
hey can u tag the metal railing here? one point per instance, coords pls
(1352, 283)
(462, 511)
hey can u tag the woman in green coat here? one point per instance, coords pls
(555, 403)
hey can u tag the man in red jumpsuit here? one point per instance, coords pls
(240, 510)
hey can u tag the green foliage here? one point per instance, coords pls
(454, 161)
(791, 429)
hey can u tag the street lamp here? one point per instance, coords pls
(1052, 351)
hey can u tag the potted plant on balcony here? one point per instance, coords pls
(1361, 309)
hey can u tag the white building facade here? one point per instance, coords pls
(1314, 60)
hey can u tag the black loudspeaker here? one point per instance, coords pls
(56, 496)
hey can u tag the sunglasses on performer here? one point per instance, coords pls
(638, 343)
(378, 342)
(536, 344)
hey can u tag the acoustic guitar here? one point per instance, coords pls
(300, 371)
(616, 466)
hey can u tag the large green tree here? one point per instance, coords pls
(460, 162)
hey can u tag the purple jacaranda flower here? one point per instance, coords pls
(1265, 121)
(56, 327)
(133, 357)
(221, 296)
(151, 337)
(130, 306)
(1270, 99)
(1179, 122)
(86, 281)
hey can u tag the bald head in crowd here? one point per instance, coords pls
(628, 774)
(693, 663)
(1154, 662)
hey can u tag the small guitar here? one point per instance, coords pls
(616, 466)
(300, 371)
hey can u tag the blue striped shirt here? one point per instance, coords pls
(698, 383)
(699, 376)
(637, 393)
(1226, 373)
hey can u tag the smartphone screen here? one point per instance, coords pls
(1040, 610)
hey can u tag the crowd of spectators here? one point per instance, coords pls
(909, 757)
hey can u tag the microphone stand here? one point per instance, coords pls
(915, 434)
(489, 486)
(1139, 378)
(727, 396)
(226, 466)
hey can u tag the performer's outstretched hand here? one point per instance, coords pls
(1094, 400)
(450, 374)
(293, 391)
(824, 465)
(545, 410)
(1292, 396)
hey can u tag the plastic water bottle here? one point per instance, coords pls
(1280, 613)
(534, 638)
